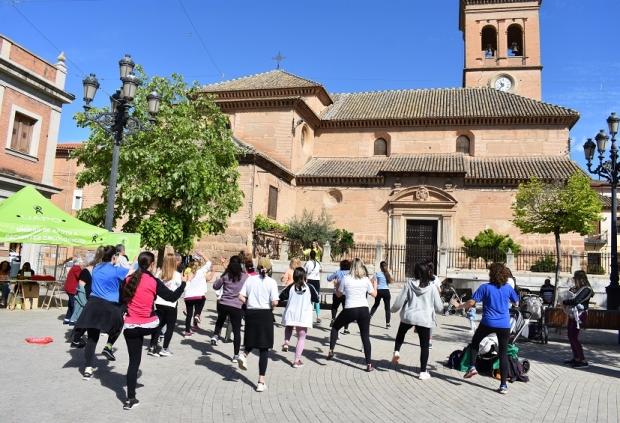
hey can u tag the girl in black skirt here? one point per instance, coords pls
(260, 295)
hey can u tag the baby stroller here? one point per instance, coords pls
(537, 330)
(449, 308)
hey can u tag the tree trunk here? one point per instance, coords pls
(160, 256)
(558, 257)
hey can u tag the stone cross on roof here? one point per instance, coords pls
(278, 59)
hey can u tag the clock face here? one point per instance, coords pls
(503, 83)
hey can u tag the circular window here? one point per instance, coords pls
(332, 198)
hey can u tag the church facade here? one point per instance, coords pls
(407, 167)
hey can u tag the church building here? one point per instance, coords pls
(407, 167)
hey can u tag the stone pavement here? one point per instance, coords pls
(43, 383)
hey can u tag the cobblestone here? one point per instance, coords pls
(199, 383)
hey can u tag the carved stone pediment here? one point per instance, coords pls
(422, 196)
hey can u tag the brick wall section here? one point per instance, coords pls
(24, 167)
(31, 62)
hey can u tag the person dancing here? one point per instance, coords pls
(418, 302)
(354, 287)
(229, 304)
(140, 291)
(172, 279)
(196, 291)
(384, 279)
(338, 276)
(298, 312)
(260, 295)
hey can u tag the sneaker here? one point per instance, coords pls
(108, 354)
(395, 357)
(88, 373)
(369, 368)
(261, 387)
(503, 389)
(161, 336)
(471, 372)
(154, 351)
(130, 403)
(187, 334)
(581, 365)
(388, 326)
(332, 323)
(65, 322)
(71, 323)
(430, 346)
(235, 359)
(80, 344)
(346, 332)
(197, 319)
(165, 352)
(424, 376)
(242, 361)
(330, 355)
(318, 321)
(571, 362)
(285, 348)
(195, 327)
(297, 364)
(214, 339)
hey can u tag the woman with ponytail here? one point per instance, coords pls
(260, 295)
(102, 312)
(172, 279)
(384, 279)
(140, 291)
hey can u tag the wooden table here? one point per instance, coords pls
(23, 291)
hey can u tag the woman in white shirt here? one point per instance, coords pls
(298, 312)
(260, 296)
(196, 291)
(355, 286)
(313, 272)
(172, 279)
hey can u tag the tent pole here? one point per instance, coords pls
(56, 261)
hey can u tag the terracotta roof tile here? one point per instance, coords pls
(452, 103)
(272, 164)
(521, 168)
(68, 145)
(275, 79)
(431, 163)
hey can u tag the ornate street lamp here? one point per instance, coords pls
(608, 170)
(117, 122)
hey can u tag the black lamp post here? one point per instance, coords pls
(117, 122)
(608, 170)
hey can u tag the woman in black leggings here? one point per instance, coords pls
(495, 296)
(355, 286)
(172, 279)
(383, 279)
(139, 292)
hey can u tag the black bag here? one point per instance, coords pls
(516, 371)
(454, 360)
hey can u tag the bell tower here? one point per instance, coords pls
(502, 45)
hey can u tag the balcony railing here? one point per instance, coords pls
(596, 239)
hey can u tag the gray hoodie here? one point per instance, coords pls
(419, 305)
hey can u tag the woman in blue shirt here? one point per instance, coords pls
(495, 297)
(383, 279)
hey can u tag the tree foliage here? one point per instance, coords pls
(308, 228)
(177, 182)
(557, 208)
(489, 246)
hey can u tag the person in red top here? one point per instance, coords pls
(73, 278)
(139, 292)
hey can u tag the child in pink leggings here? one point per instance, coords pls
(298, 312)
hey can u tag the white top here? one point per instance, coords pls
(298, 311)
(435, 282)
(259, 292)
(313, 269)
(197, 287)
(121, 261)
(355, 291)
(172, 285)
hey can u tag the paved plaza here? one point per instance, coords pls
(43, 383)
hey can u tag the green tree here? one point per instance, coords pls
(489, 246)
(556, 208)
(308, 228)
(177, 182)
(341, 241)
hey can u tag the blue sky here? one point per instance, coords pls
(348, 46)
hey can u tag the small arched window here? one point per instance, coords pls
(303, 135)
(489, 41)
(463, 144)
(515, 40)
(380, 147)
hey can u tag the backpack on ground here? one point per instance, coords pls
(516, 370)
(455, 358)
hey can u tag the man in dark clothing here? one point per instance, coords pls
(546, 292)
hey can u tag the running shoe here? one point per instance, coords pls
(187, 334)
(395, 357)
(195, 327)
(330, 355)
(581, 365)
(261, 387)
(388, 326)
(503, 389)
(471, 372)
(346, 332)
(80, 344)
(197, 318)
(88, 373)
(71, 323)
(242, 361)
(165, 352)
(107, 352)
(297, 364)
(214, 339)
(154, 351)
(571, 362)
(285, 348)
(369, 368)
(424, 376)
(235, 359)
(318, 321)
(130, 403)
(65, 322)
(430, 346)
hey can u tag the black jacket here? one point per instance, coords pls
(581, 297)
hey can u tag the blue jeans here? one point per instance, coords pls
(70, 306)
